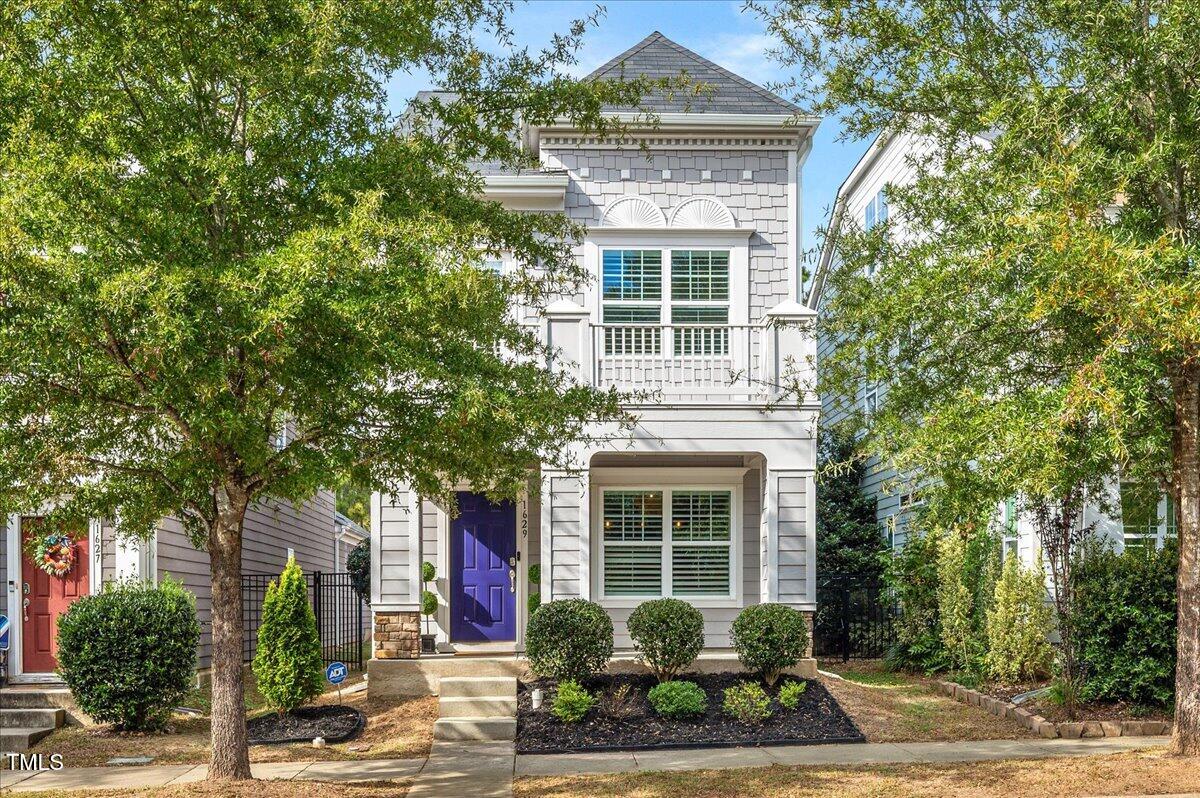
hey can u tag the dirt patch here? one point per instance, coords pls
(1121, 774)
(817, 719)
(916, 712)
(335, 723)
(394, 730)
(1054, 711)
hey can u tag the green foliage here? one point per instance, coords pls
(429, 603)
(569, 639)
(848, 537)
(790, 692)
(571, 702)
(428, 571)
(534, 601)
(956, 603)
(129, 653)
(358, 565)
(354, 501)
(769, 638)
(678, 699)
(288, 668)
(747, 702)
(1019, 625)
(668, 634)
(535, 574)
(1126, 614)
(913, 575)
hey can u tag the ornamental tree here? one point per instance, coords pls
(1036, 313)
(226, 274)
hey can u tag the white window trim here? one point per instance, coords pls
(871, 397)
(735, 242)
(734, 599)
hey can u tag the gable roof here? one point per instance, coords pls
(656, 56)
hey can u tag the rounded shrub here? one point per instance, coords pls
(668, 635)
(129, 653)
(569, 639)
(678, 699)
(769, 639)
(790, 693)
(288, 667)
(747, 702)
(571, 702)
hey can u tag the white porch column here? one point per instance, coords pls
(396, 573)
(566, 535)
(791, 542)
(568, 333)
(135, 558)
(792, 350)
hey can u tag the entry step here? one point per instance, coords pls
(475, 729)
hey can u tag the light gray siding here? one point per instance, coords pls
(390, 561)
(566, 529)
(792, 520)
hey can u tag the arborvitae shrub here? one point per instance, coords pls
(288, 667)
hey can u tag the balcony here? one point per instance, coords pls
(680, 362)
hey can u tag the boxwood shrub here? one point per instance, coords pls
(747, 702)
(569, 639)
(668, 635)
(129, 653)
(769, 639)
(678, 699)
(571, 702)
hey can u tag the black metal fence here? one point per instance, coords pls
(856, 618)
(343, 618)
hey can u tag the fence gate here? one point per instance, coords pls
(343, 618)
(855, 619)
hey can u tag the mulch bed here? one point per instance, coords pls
(335, 722)
(818, 719)
(1091, 710)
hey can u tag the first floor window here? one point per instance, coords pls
(667, 542)
(1141, 523)
(1011, 538)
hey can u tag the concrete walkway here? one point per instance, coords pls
(486, 770)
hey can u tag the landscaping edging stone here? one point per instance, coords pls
(1049, 729)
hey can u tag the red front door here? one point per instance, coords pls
(44, 598)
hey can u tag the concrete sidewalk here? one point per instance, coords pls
(486, 770)
(851, 754)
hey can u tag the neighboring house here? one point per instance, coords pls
(347, 534)
(862, 203)
(694, 247)
(33, 600)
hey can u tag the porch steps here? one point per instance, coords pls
(22, 726)
(476, 708)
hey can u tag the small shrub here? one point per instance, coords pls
(428, 571)
(619, 702)
(747, 702)
(956, 603)
(912, 574)
(129, 653)
(288, 667)
(569, 639)
(668, 635)
(535, 601)
(1019, 623)
(769, 639)
(571, 702)
(429, 603)
(790, 692)
(358, 565)
(678, 699)
(1125, 616)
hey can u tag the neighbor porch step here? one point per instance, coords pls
(475, 729)
(18, 740)
(32, 718)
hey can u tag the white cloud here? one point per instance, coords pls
(745, 54)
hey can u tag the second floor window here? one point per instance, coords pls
(696, 301)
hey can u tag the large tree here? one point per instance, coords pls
(226, 274)
(1037, 309)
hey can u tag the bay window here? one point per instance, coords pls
(670, 541)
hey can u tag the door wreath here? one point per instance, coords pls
(55, 554)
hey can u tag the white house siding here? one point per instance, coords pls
(760, 202)
(565, 512)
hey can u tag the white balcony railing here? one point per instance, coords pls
(680, 361)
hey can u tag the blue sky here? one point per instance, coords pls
(719, 30)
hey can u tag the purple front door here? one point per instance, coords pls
(483, 547)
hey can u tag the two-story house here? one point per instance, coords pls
(861, 203)
(693, 243)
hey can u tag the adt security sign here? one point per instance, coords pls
(336, 672)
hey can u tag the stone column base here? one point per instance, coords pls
(397, 635)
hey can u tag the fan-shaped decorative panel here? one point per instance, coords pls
(702, 212)
(634, 212)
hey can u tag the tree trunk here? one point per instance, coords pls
(1186, 386)
(230, 753)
